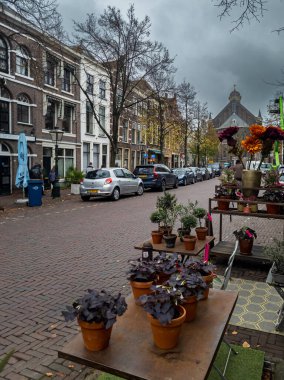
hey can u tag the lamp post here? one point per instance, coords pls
(56, 135)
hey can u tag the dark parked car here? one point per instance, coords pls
(156, 176)
(205, 173)
(216, 167)
(197, 173)
(185, 176)
(211, 172)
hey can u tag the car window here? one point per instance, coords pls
(127, 173)
(97, 174)
(144, 170)
(118, 173)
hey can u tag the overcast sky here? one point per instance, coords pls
(207, 55)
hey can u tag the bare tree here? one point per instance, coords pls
(186, 95)
(41, 14)
(129, 57)
(198, 131)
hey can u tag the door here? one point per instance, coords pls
(122, 180)
(5, 177)
(131, 181)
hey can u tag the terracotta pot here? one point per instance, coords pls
(223, 205)
(246, 209)
(140, 288)
(250, 180)
(201, 232)
(208, 279)
(95, 336)
(157, 237)
(170, 240)
(166, 336)
(190, 305)
(245, 246)
(273, 209)
(189, 242)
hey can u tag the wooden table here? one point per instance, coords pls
(179, 247)
(132, 354)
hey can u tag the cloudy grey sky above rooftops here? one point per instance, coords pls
(207, 55)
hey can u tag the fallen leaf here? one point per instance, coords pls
(49, 374)
(246, 345)
(52, 327)
(71, 366)
(234, 333)
(53, 335)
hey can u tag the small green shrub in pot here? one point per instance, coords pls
(74, 175)
(275, 251)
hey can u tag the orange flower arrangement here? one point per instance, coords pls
(252, 144)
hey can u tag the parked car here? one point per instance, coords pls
(205, 173)
(211, 171)
(280, 168)
(110, 182)
(216, 167)
(197, 173)
(156, 176)
(265, 167)
(185, 176)
(281, 177)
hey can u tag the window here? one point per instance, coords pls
(50, 114)
(3, 55)
(86, 154)
(89, 118)
(102, 89)
(119, 173)
(23, 109)
(133, 155)
(138, 137)
(125, 131)
(23, 61)
(68, 118)
(133, 133)
(126, 158)
(65, 161)
(50, 71)
(66, 81)
(96, 156)
(102, 118)
(4, 111)
(104, 156)
(90, 84)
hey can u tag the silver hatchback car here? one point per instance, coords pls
(110, 182)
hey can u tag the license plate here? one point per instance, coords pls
(143, 176)
(93, 191)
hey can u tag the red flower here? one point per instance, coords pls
(272, 133)
(227, 133)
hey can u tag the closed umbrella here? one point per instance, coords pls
(22, 175)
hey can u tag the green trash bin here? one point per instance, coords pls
(56, 189)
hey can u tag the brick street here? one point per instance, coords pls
(51, 254)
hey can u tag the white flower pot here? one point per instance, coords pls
(75, 188)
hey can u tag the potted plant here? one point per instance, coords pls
(191, 286)
(246, 236)
(273, 196)
(201, 231)
(275, 251)
(157, 235)
(271, 178)
(74, 177)
(206, 270)
(96, 312)
(189, 222)
(221, 194)
(165, 314)
(141, 274)
(165, 266)
(185, 213)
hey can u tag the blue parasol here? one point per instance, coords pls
(22, 175)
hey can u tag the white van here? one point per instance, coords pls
(253, 165)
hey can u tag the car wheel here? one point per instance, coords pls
(85, 198)
(176, 184)
(184, 182)
(115, 194)
(140, 190)
(163, 185)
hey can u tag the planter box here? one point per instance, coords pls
(75, 188)
(277, 277)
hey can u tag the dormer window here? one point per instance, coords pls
(23, 61)
(3, 56)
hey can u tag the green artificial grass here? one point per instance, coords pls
(248, 364)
